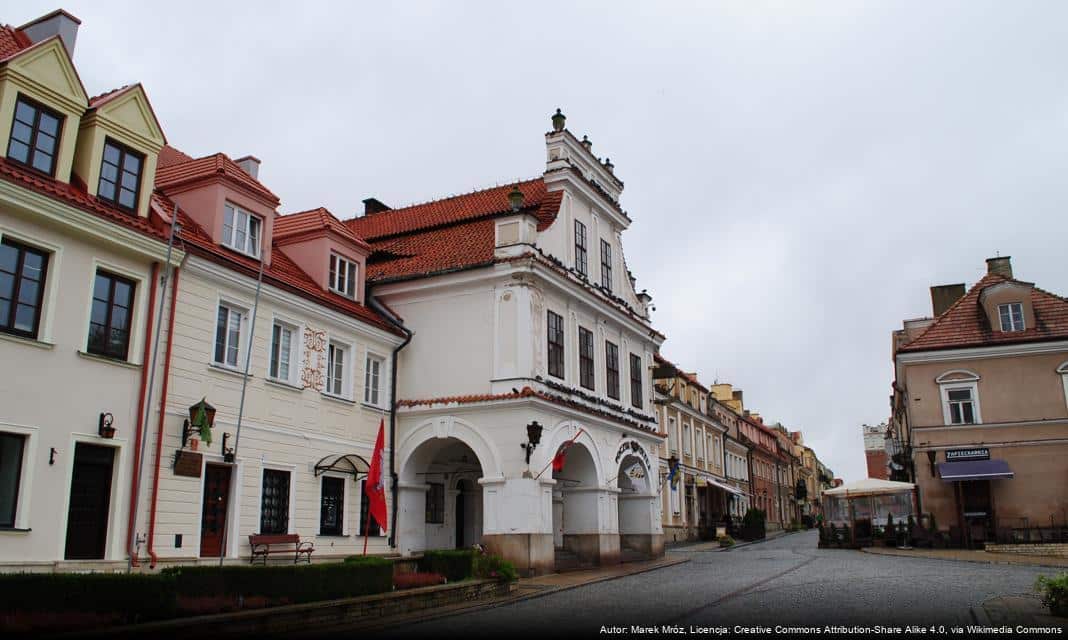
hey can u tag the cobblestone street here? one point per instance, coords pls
(782, 581)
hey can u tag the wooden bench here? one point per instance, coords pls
(264, 545)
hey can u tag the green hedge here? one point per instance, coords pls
(138, 597)
(298, 583)
(455, 565)
(494, 568)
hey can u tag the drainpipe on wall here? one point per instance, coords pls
(393, 478)
(162, 417)
(131, 521)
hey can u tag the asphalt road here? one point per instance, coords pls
(787, 581)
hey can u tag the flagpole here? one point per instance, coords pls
(366, 525)
(244, 388)
(569, 443)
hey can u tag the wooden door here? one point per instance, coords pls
(90, 502)
(213, 513)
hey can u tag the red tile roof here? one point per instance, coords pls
(527, 392)
(219, 164)
(77, 196)
(455, 209)
(12, 41)
(282, 272)
(169, 156)
(295, 225)
(96, 101)
(965, 323)
(446, 235)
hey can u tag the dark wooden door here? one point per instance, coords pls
(213, 513)
(90, 501)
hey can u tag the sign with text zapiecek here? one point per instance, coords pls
(975, 453)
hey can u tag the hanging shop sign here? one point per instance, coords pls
(976, 453)
(188, 463)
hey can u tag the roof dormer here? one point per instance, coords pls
(119, 141)
(326, 249)
(1008, 306)
(42, 100)
(231, 205)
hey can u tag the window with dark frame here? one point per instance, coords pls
(372, 527)
(109, 319)
(332, 507)
(342, 276)
(22, 282)
(580, 249)
(435, 503)
(635, 381)
(606, 265)
(274, 502)
(586, 358)
(120, 175)
(611, 358)
(11, 446)
(555, 325)
(35, 132)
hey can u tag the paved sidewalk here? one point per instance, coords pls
(970, 555)
(529, 588)
(713, 545)
(1025, 610)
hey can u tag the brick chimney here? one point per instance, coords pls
(943, 296)
(58, 23)
(374, 205)
(250, 165)
(1001, 265)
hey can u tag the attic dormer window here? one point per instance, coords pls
(1011, 316)
(241, 230)
(34, 136)
(342, 276)
(120, 175)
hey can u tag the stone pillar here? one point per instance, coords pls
(640, 527)
(591, 524)
(411, 518)
(517, 522)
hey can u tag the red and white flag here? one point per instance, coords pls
(374, 487)
(561, 455)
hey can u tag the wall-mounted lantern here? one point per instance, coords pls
(104, 426)
(228, 452)
(533, 438)
(201, 421)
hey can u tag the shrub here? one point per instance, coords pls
(932, 525)
(726, 541)
(1054, 593)
(357, 576)
(753, 524)
(454, 564)
(493, 567)
(130, 597)
(413, 580)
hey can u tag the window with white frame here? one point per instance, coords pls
(960, 397)
(11, 448)
(343, 276)
(700, 444)
(228, 330)
(282, 351)
(337, 362)
(1063, 370)
(686, 439)
(372, 380)
(1011, 316)
(241, 230)
(673, 437)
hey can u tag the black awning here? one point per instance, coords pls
(974, 470)
(346, 463)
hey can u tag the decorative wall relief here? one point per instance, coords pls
(311, 372)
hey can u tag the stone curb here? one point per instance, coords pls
(999, 562)
(690, 547)
(513, 599)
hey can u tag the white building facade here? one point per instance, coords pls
(527, 328)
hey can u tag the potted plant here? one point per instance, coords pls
(726, 541)
(1054, 593)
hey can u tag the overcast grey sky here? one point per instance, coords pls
(798, 173)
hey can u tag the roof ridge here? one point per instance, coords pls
(945, 314)
(454, 196)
